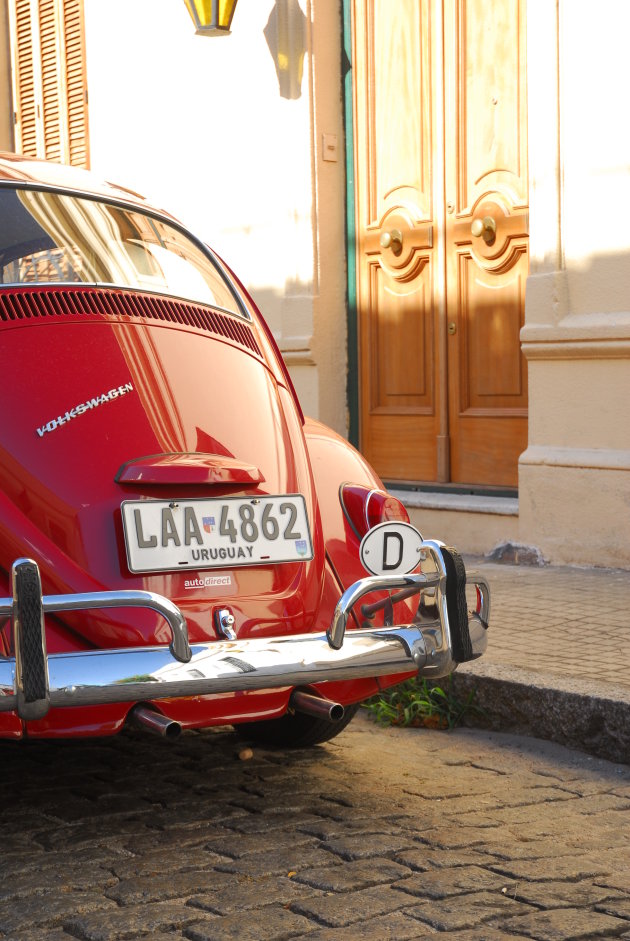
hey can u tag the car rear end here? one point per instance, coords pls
(161, 546)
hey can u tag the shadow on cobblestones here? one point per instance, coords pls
(381, 834)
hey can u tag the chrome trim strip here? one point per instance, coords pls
(421, 581)
(138, 674)
(179, 646)
(336, 631)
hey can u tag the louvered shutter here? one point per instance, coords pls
(49, 79)
(76, 83)
(22, 58)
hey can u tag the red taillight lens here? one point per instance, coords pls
(365, 508)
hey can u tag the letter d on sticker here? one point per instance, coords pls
(391, 549)
(392, 555)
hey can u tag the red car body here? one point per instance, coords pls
(140, 417)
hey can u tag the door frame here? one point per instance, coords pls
(442, 481)
(347, 73)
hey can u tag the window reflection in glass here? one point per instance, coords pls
(51, 238)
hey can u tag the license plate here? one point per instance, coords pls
(170, 535)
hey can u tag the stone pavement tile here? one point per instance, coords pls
(358, 874)
(467, 787)
(440, 883)
(237, 845)
(50, 909)
(483, 934)
(458, 837)
(144, 920)
(52, 934)
(511, 849)
(564, 894)
(425, 859)
(281, 861)
(326, 829)
(47, 879)
(396, 926)
(158, 861)
(244, 894)
(272, 924)
(547, 815)
(564, 867)
(295, 803)
(91, 834)
(28, 821)
(615, 839)
(358, 847)
(467, 911)
(611, 822)
(264, 823)
(18, 843)
(507, 796)
(620, 907)
(151, 839)
(599, 803)
(619, 879)
(337, 911)
(167, 885)
(565, 924)
(205, 813)
(82, 808)
(13, 864)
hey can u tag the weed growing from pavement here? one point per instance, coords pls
(422, 703)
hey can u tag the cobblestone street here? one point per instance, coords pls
(381, 834)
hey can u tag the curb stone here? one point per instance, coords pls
(592, 717)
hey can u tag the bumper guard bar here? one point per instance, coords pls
(33, 681)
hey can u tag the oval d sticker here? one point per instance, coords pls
(391, 549)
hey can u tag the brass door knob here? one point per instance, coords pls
(486, 228)
(393, 240)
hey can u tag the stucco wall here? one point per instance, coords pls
(200, 126)
(574, 480)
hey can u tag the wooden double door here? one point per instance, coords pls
(440, 149)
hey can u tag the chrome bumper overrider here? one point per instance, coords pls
(150, 673)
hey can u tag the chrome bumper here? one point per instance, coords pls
(34, 682)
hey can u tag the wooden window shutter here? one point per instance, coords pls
(49, 80)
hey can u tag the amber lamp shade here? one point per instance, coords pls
(211, 17)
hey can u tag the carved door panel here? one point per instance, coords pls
(440, 149)
(396, 284)
(486, 237)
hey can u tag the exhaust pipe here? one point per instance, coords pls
(316, 706)
(155, 722)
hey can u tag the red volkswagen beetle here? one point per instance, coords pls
(179, 546)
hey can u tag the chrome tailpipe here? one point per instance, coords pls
(154, 721)
(316, 706)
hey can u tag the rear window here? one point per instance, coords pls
(52, 238)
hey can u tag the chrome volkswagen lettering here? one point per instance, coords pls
(84, 407)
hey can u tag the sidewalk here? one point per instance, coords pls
(558, 658)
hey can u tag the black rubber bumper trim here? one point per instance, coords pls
(457, 605)
(28, 596)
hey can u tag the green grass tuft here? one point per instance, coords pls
(418, 703)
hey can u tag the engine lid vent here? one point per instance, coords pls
(99, 303)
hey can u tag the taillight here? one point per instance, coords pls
(365, 508)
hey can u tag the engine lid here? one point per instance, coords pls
(101, 411)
